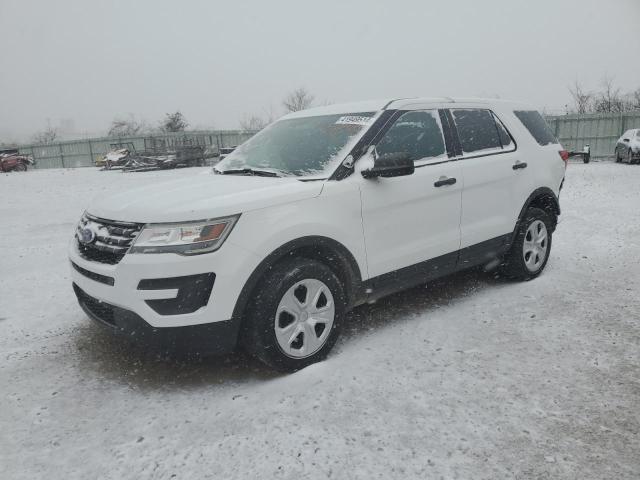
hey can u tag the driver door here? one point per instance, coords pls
(412, 223)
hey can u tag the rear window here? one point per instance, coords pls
(480, 131)
(537, 126)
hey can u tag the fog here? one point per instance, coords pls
(79, 64)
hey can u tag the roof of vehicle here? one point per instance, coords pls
(398, 103)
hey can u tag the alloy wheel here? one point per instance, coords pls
(304, 318)
(534, 247)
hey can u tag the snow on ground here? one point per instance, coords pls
(472, 377)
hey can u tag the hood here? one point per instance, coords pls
(201, 197)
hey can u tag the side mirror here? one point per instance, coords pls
(391, 165)
(625, 139)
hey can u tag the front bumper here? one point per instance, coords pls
(144, 284)
(205, 339)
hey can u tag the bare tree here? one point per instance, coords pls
(270, 115)
(632, 100)
(126, 127)
(46, 136)
(609, 99)
(297, 100)
(258, 122)
(252, 122)
(174, 122)
(582, 100)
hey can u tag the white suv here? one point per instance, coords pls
(323, 210)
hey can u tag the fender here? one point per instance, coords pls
(542, 197)
(316, 247)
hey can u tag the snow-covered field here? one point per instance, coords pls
(472, 377)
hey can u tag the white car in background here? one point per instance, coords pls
(628, 146)
(323, 210)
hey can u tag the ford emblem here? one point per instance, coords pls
(86, 236)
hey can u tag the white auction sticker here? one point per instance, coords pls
(353, 120)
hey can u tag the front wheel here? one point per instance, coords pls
(629, 157)
(20, 167)
(296, 315)
(530, 250)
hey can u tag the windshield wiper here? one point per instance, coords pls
(248, 171)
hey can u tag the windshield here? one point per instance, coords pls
(299, 146)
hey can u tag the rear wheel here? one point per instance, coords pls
(530, 249)
(296, 315)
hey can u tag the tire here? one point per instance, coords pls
(618, 159)
(281, 304)
(20, 167)
(629, 157)
(528, 255)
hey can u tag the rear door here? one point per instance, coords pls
(497, 180)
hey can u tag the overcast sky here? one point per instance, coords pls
(89, 61)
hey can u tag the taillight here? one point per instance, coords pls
(564, 155)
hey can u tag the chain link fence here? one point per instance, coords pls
(84, 153)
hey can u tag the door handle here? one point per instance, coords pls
(444, 181)
(519, 165)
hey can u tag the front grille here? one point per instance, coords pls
(111, 239)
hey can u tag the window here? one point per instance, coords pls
(417, 133)
(477, 130)
(537, 126)
(300, 146)
(505, 138)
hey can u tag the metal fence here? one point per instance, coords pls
(599, 130)
(84, 153)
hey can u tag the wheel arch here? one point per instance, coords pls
(542, 198)
(323, 249)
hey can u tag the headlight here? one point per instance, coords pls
(184, 238)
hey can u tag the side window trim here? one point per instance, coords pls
(448, 132)
(461, 155)
(455, 136)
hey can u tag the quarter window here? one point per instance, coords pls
(505, 138)
(417, 133)
(477, 130)
(537, 126)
